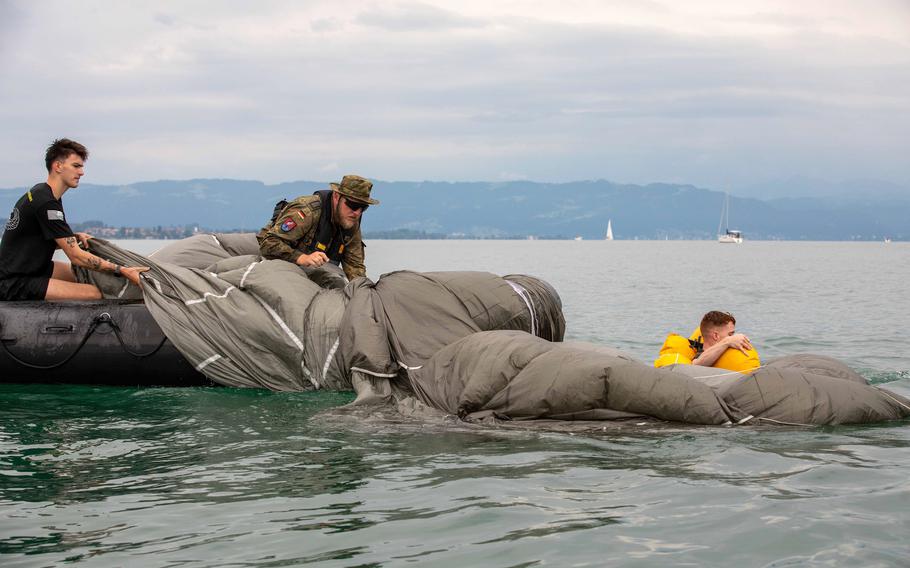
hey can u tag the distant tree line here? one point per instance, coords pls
(103, 230)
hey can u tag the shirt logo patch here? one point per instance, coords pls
(13, 220)
(288, 225)
(54, 215)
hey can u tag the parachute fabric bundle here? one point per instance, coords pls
(519, 377)
(458, 342)
(248, 322)
(239, 321)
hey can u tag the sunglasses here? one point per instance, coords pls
(355, 205)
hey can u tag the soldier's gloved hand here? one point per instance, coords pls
(313, 260)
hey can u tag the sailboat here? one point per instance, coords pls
(729, 236)
(609, 235)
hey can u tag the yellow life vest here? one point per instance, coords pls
(678, 349)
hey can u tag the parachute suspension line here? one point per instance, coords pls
(374, 373)
(208, 295)
(247, 273)
(731, 373)
(328, 358)
(884, 392)
(309, 375)
(784, 423)
(277, 318)
(206, 363)
(122, 290)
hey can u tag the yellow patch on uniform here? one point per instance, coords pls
(341, 249)
(29, 194)
(320, 246)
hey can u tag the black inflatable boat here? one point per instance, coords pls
(107, 342)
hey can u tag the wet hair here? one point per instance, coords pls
(61, 149)
(715, 319)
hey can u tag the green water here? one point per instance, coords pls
(224, 477)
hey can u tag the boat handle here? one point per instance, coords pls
(59, 329)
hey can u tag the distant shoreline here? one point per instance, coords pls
(568, 239)
(501, 210)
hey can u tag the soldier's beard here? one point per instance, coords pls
(344, 222)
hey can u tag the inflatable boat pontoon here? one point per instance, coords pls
(107, 342)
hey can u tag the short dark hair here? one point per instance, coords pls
(714, 319)
(61, 149)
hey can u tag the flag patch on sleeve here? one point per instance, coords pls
(54, 215)
(288, 225)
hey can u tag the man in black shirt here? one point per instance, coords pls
(37, 227)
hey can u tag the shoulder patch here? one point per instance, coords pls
(288, 225)
(13, 222)
(54, 215)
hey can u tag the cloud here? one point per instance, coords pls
(165, 19)
(13, 17)
(404, 17)
(326, 25)
(703, 93)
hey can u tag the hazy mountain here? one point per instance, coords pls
(508, 209)
(848, 192)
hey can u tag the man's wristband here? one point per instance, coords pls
(117, 271)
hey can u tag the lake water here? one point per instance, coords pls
(226, 477)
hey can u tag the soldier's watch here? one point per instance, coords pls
(117, 271)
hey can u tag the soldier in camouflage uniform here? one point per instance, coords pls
(324, 227)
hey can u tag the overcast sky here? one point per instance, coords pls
(712, 93)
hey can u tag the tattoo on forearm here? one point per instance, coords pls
(70, 241)
(94, 263)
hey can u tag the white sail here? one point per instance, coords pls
(729, 235)
(609, 235)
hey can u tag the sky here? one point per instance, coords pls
(717, 94)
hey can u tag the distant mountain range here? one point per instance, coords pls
(515, 209)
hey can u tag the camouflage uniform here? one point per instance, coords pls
(294, 230)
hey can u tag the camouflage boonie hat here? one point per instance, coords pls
(355, 187)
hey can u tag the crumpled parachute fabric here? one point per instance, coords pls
(469, 344)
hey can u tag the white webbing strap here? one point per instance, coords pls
(523, 294)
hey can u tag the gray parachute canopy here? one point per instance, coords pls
(470, 344)
(248, 322)
(516, 376)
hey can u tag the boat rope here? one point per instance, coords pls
(104, 318)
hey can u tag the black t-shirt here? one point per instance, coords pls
(28, 246)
